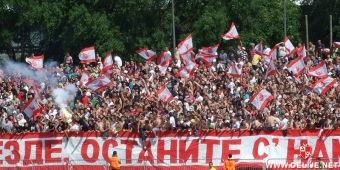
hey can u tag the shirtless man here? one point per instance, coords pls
(142, 129)
(272, 121)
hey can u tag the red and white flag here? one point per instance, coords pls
(107, 65)
(209, 50)
(232, 33)
(273, 54)
(99, 84)
(164, 94)
(147, 54)
(187, 58)
(164, 58)
(336, 44)
(259, 48)
(323, 85)
(319, 70)
(37, 62)
(85, 77)
(297, 66)
(235, 71)
(34, 86)
(290, 49)
(185, 46)
(207, 59)
(260, 99)
(31, 108)
(87, 55)
(303, 53)
(271, 69)
(146, 85)
(188, 71)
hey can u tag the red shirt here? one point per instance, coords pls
(19, 96)
(84, 100)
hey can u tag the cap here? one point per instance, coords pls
(287, 114)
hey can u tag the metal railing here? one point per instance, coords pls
(130, 164)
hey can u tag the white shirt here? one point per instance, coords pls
(231, 86)
(119, 61)
(235, 125)
(172, 121)
(74, 127)
(266, 51)
(22, 122)
(284, 123)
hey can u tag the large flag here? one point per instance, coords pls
(209, 50)
(188, 71)
(36, 62)
(34, 86)
(323, 85)
(290, 49)
(87, 55)
(319, 70)
(185, 46)
(99, 84)
(232, 33)
(164, 94)
(163, 67)
(260, 99)
(85, 77)
(147, 54)
(107, 65)
(271, 69)
(336, 44)
(273, 54)
(297, 66)
(164, 58)
(259, 48)
(31, 108)
(187, 58)
(206, 58)
(235, 71)
(147, 90)
(303, 53)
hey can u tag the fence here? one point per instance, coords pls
(129, 164)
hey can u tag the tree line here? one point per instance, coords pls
(53, 27)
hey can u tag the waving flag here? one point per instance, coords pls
(323, 85)
(107, 65)
(188, 71)
(209, 50)
(336, 44)
(37, 62)
(164, 58)
(232, 33)
(290, 49)
(185, 46)
(34, 86)
(273, 54)
(297, 66)
(99, 84)
(31, 108)
(85, 77)
(319, 70)
(187, 58)
(207, 59)
(303, 53)
(271, 70)
(87, 55)
(146, 85)
(235, 71)
(259, 48)
(164, 94)
(260, 99)
(147, 54)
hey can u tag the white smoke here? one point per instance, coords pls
(29, 73)
(62, 96)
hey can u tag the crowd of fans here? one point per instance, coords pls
(211, 100)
